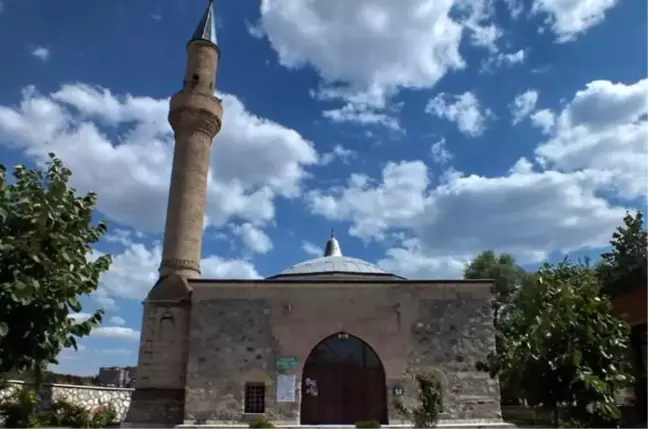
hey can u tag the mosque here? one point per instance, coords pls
(329, 341)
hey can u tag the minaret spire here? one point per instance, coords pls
(206, 29)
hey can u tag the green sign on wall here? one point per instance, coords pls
(287, 362)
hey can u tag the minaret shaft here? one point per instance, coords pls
(186, 210)
(195, 116)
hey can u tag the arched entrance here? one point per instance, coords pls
(343, 382)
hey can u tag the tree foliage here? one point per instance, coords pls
(509, 279)
(563, 346)
(46, 234)
(626, 263)
(502, 269)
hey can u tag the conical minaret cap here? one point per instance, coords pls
(332, 247)
(206, 29)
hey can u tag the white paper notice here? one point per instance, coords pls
(286, 387)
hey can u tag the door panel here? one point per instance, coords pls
(349, 381)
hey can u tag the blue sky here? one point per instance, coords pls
(423, 131)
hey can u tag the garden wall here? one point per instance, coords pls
(89, 397)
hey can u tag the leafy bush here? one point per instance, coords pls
(261, 422)
(65, 414)
(426, 414)
(104, 415)
(20, 409)
(368, 424)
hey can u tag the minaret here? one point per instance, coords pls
(195, 116)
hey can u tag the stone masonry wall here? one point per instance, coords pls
(89, 397)
(237, 333)
(451, 336)
(242, 340)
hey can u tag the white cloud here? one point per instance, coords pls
(570, 19)
(373, 209)
(312, 249)
(338, 152)
(80, 317)
(515, 7)
(501, 59)
(215, 267)
(463, 109)
(254, 160)
(440, 153)
(366, 51)
(253, 238)
(525, 213)
(523, 105)
(544, 119)
(41, 53)
(116, 333)
(411, 262)
(134, 271)
(362, 114)
(604, 127)
(116, 320)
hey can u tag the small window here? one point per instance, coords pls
(254, 398)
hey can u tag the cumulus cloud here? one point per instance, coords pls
(570, 19)
(501, 60)
(135, 265)
(253, 238)
(365, 51)
(116, 333)
(525, 213)
(41, 53)
(362, 114)
(551, 203)
(439, 152)
(339, 152)
(127, 148)
(312, 249)
(603, 127)
(523, 105)
(463, 109)
(543, 119)
(116, 320)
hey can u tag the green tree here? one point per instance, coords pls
(626, 263)
(563, 346)
(509, 279)
(46, 237)
(506, 274)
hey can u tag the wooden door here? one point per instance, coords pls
(343, 383)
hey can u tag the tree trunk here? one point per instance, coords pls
(556, 416)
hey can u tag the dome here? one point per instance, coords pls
(333, 263)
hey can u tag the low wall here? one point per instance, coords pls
(89, 397)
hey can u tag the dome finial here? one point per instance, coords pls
(332, 246)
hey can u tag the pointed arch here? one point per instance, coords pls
(343, 382)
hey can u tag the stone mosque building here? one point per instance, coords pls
(329, 341)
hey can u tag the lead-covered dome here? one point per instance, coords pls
(334, 265)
